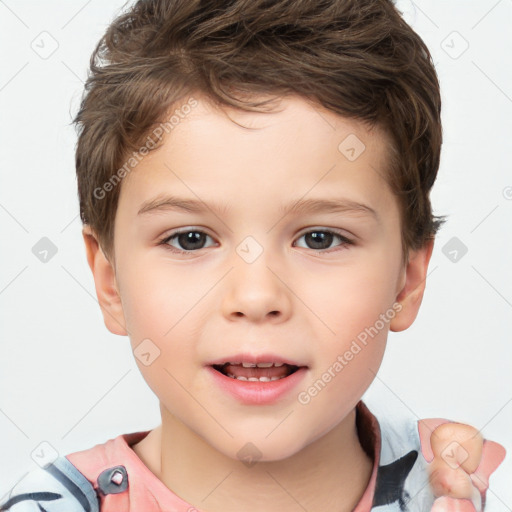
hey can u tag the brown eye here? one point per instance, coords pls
(322, 239)
(186, 241)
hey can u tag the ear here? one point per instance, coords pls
(107, 291)
(411, 292)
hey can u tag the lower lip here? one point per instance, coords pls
(258, 393)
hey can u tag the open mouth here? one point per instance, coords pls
(263, 372)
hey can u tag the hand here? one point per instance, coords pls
(461, 462)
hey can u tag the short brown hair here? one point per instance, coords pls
(357, 58)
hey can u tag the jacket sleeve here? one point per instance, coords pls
(53, 488)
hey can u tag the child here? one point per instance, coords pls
(265, 130)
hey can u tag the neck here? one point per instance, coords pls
(330, 473)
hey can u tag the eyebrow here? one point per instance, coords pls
(168, 203)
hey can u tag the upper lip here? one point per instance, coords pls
(255, 359)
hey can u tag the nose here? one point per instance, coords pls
(256, 291)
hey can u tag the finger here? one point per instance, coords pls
(451, 482)
(425, 429)
(446, 504)
(458, 444)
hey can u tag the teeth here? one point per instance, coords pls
(259, 365)
(254, 379)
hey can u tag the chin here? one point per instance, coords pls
(259, 449)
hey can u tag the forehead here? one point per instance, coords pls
(297, 149)
(291, 116)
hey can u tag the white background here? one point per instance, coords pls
(65, 379)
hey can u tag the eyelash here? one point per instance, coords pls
(344, 240)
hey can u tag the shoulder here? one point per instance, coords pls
(403, 470)
(55, 487)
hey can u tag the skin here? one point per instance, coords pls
(462, 446)
(294, 300)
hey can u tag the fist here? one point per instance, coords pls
(461, 461)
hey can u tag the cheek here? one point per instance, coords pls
(345, 367)
(355, 309)
(349, 300)
(157, 298)
(160, 307)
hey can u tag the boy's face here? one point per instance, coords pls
(259, 277)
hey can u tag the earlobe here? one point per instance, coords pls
(411, 294)
(105, 283)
